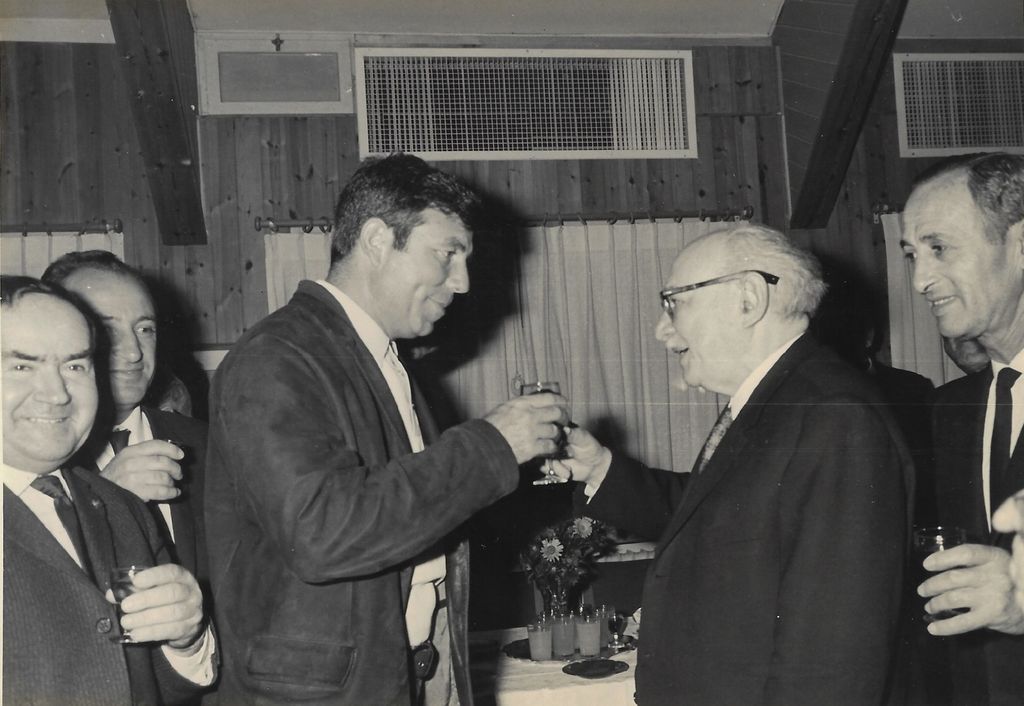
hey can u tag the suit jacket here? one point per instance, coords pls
(316, 512)
(189, 547)
(987, 667)
(777, 576)
(57, 623)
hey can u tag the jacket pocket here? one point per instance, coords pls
(288, 660)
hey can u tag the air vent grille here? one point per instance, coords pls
(528, 104)
(959, 103)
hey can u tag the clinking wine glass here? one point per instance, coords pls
(536, 388)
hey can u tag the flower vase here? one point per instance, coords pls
(556, 599)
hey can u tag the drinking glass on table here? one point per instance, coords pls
(928, 540)
(122, 585)
(535, 388)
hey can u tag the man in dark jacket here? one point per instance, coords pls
(331, 494)
(778, 572)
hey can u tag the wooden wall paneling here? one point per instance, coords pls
(40, 170)
(225, 228)
(749, 187)
(724, 161)
(11, 135)
(718, 94)
(801, 124)
(824, 46)
(804, 71)
(250, 157)
(820, 16)
(806, 99)
(771, 164)
(63, 146)
(704, 170)
(659, 185)
(89, 112)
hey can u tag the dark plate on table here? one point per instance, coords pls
(595, 668)
(520, 649)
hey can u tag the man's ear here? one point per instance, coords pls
(1015, 234)
(376, 240)
(753, 299)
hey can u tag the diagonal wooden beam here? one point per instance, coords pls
(156, 55)
(868, 44)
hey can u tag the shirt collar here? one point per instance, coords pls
(746, 388)
(18, 481)
(368, 330)
(133, 423)
(1017, 364)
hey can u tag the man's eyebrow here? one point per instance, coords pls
(18, 355)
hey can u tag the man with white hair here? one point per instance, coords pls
(778, 572)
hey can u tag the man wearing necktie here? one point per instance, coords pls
(65, 528)
(333, 499)
(963, 230)
(778, 572)
(155, 454)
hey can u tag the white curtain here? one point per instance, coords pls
(588, 305)
(29, 254)
(291, 257)
(913, 333)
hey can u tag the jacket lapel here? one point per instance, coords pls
(353, 348)
(92, 514)
(183, 548)
(23, 528)
(724, 460)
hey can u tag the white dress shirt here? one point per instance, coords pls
(1016, 422)
(138, 425)
(428, 576)
(197, 667)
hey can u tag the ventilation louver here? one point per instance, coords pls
(451, 104)
(950, 104)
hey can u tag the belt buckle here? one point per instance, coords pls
(424, 660)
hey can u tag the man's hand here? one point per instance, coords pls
(1010, 518)
(167, 606)
(531, 424)
(975, 577)
(149, 469)
(588, 461)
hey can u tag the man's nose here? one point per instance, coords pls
(458, 277)
(126, 347)
(664, 329)
(51, 387)
(922, 274)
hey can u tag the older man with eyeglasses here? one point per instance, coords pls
(778, 573)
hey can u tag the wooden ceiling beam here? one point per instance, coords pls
(156, 56)
(867, 46)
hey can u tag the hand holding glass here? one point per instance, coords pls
(122, 585)
(534, 388)
(928, 540)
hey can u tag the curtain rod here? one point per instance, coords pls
(98, 226)
(730, 214)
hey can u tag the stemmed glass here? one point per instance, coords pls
(535, 388)
(616, 624)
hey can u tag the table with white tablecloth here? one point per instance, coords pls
(507, 681)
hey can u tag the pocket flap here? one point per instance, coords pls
(287, 659)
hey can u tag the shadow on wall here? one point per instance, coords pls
(179, 378)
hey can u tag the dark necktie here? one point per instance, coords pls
(119, 439)
(1002, 481)
(51, 485)
(714, 438)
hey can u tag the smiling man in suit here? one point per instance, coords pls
(65, 528)
(777, 575)
(332, 497)
(157, 455)
(963, 230)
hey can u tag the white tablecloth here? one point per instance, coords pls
(506, 681)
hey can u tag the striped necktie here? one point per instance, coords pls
(714, 438)
(50, 485)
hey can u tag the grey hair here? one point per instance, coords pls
(801, 286)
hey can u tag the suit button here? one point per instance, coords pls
(103, 625)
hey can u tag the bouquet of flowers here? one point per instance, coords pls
(561, 557)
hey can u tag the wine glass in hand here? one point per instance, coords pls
(534, 388)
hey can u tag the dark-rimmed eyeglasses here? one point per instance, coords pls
(668, 302)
